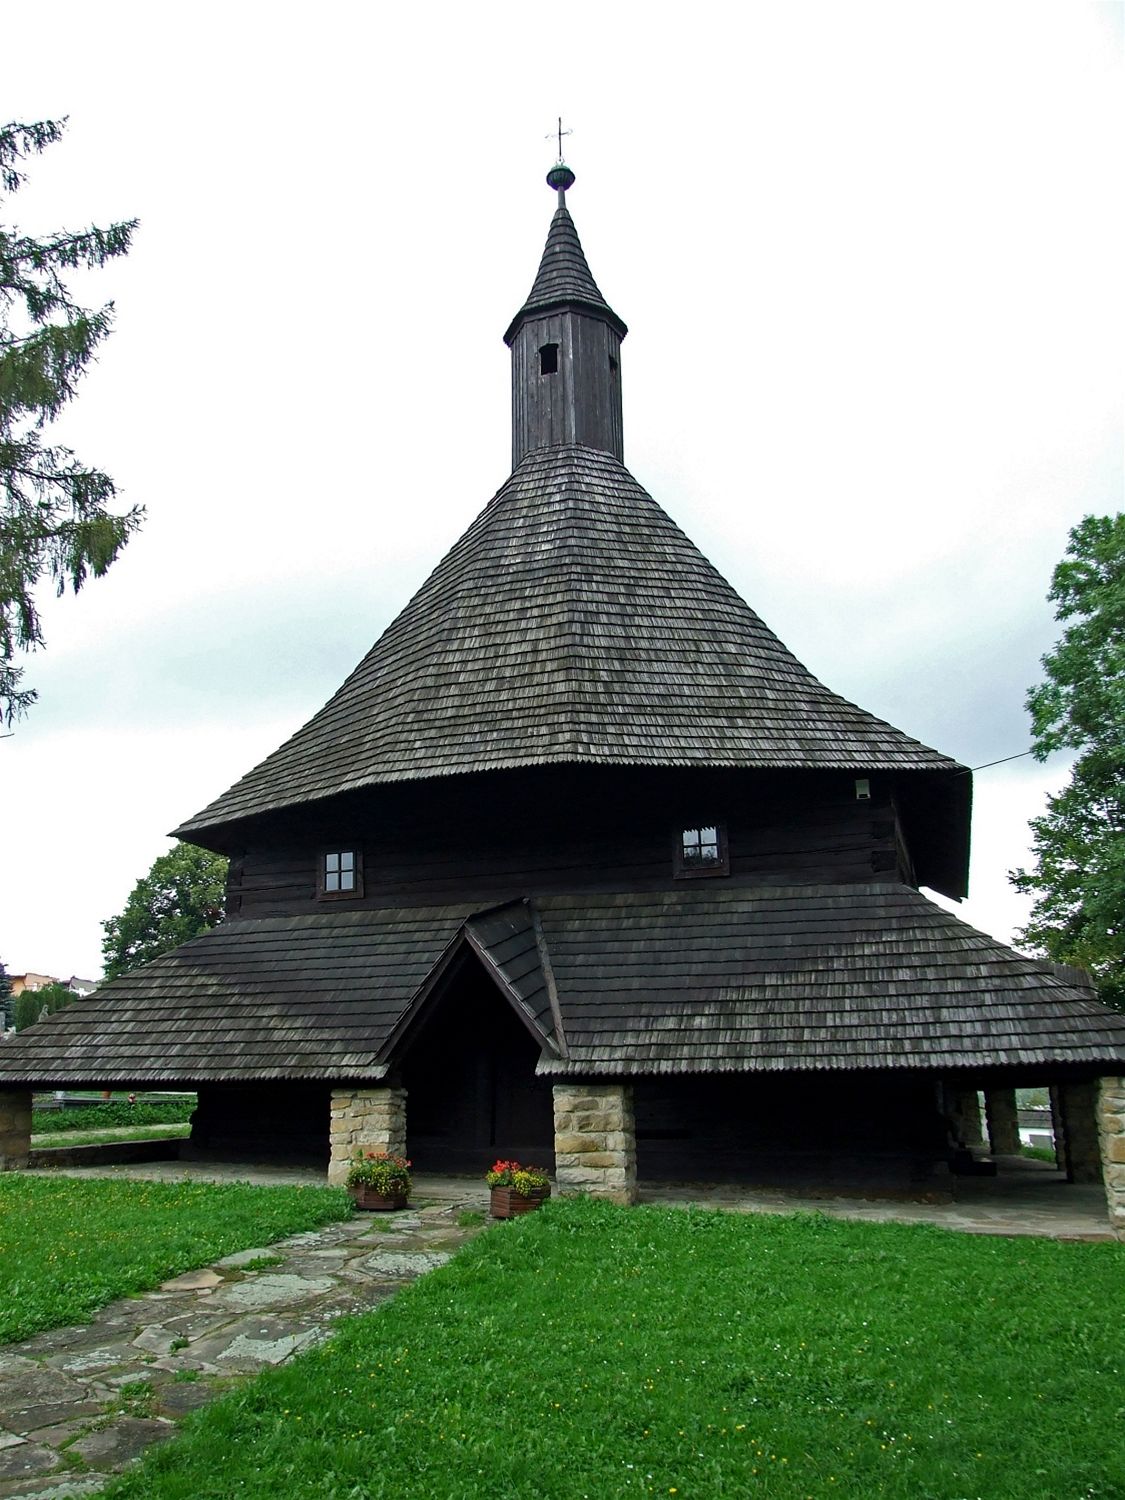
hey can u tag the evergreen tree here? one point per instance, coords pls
(181, 896)
(5, 997)
(30, 1005)
(54, 510)
(1078, 879)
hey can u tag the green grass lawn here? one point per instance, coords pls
(69, 1245)
(593, 1351)
(112, 1133)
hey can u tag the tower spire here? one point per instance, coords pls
(566, 346)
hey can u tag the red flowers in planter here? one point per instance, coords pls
(524, 1181)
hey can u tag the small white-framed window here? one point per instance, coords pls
(702, 850)
(340, 873)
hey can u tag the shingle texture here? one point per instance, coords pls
(505, 938)
(804, 977)
(573, 622)
(706, 978)
(564, 278)
(279, 997)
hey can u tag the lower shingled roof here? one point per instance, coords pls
(277, 997)
(717, 979)
(709, 977)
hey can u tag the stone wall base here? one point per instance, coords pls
(595, 1141)
(365, 1119)
(15, 1128)
(1111, 1133)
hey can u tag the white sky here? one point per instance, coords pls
(870, 257)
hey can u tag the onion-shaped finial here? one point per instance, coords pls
(560, 177)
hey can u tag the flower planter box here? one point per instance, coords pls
(374, 1202)
(506, 1203)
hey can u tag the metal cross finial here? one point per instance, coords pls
(560, 177)
(560, 133)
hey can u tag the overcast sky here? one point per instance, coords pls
(870, 259)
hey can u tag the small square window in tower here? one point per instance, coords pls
(548, 359)
(340, 873)
(702, 851)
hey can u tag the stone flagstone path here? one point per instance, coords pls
(78, 1404)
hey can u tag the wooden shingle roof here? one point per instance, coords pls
(563, 278)
(805, 977)
(573, 622)
(704, 978)
(509, 940)
(279, 997)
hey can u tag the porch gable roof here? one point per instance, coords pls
(507, 940)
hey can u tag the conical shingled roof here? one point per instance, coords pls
(564, 277)
(573, 622)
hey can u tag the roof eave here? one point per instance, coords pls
(223, 833)
(565, 304)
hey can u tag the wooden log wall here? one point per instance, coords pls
(580, 828)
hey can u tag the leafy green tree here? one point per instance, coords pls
(5, 996)
(1078, 879)
(181, 896)
(31, 1004)
(54, 510)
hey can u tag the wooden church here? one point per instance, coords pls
(580, 865)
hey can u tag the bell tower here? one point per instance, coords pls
(566, 348)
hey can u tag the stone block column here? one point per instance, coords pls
(595, 1141)
(15, 1128)
(1003, 1122)
(1111, 1133)
(962, 1107)
(365, 1119)
(1058, 1126)
(1077, 1104)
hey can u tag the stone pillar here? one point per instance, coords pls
(365, 1119)
(962, 1106)
(15, 1128)
(1078, 1105)
(1058, 1126)
(595, 1141)
(1003, 1122)
(1111, 1133)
